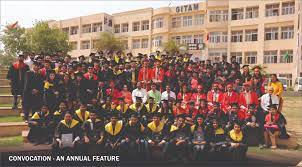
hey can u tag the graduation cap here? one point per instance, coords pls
(134, 115)
(81, 57)
(181, 116)
(151, 98)
(91, 54)
(245, 66)
(21, 55)
(199, 116)
(156, 114)
(257, 67)
(113, 114)
(273, 106)
(138, 98)
(93, 111)
(36, 63)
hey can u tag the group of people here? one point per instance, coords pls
(163, 103)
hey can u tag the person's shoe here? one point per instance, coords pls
(273, 147)
(264, 146)
(261, 146)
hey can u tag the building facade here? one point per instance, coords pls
(265, 32)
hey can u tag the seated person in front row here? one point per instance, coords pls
(180, 138)
(68, 134)
(274, 121)
(157, 135)
(134, 136)
(237, 145)
(81, 115)
(217, 138)
(93, 132)
(199, 138)
(41, 127)
(114, 133)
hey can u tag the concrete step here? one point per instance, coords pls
(12, 128)
(7, 99)
(8, 111)
(4, 82)
(5, 89)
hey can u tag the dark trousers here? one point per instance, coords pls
(238, 153)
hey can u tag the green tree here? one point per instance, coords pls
(172, 47)
(6, 59)
(14, 40)
(108, 42)
(45, 40)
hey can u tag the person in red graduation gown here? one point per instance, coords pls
(247, 97)
(185, 96)
(198, 96)
(214, 95)
(157, 73)
(145, 74)
(229, 97)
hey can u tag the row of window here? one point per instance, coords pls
(187, 21)
(87, 28)
(136, 26)
(269, 57)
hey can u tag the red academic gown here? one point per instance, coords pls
(253, 100)
(145, 75)
(159, 75)
(228, 99)
(186, 98)
(114, 94)
(177, 111)
(210, 99)
(197, 97)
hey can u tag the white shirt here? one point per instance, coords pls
(29, 62)
(139, 93)
(164, 95)
(265, 101)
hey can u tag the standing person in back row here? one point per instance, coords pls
(278, 89)
(16, 75)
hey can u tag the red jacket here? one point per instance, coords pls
(94, 77)
(160, 75)
(211, 94)
(227, 100)
(177, 111)
(253, 100)
(145, 74)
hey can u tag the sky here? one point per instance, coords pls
(29, 12)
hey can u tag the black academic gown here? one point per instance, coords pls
(16, 74)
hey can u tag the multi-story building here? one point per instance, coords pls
(265, 32)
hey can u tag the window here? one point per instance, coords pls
(218, 37)
(177, 39)
(289, 79)
(74, 30)
(272, 10)
(145, 25)
(95, 43)
(187, 21)
(97, 27)
(186, 39)
(86, 28)
(270, 57)
(251, 35)
(236, 36)
(176, 22)
(198, 38)
(250, 57)
(286, 56)
(85, 44)
(287, 32)
(199, 19)
(117, 28)
(215, 55)
(158, 22)
(66, 30)
(74, 45)
(125, 27)
(136, 44)
(252, 12)
(238, 56)
(237, 14)
(157, 41)
(135, 26)
(145, 43)
(271, 33)
(288, 8)
(218, 15)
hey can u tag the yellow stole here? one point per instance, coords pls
(219, 131)
(117, 128)
(37, 116)
(133, 107)
(125, 108)
(78, 112)
(73, 123)
(47, 85)
(96, 120)
(155, 128)
(153, 109)
(236, 136)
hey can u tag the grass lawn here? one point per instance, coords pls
(11, 141)
(11, 119)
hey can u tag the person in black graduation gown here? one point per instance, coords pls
(134, 136)
(67, 126)
(217, 139)
(106, 74)
(180, 138)
(114, 133)
(33, 91)
(157, 136)
(245, 75)
(93, 133)
(123, 110)
(52, 91)
(41, 125)
(141, 110)
(59, 114)
(80, 88)
(16, 74)
(91, 84)
(81, 114)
